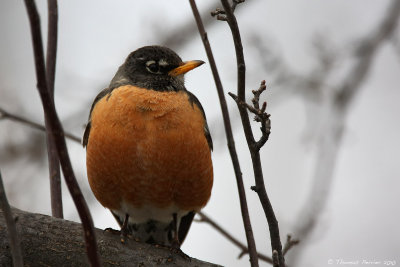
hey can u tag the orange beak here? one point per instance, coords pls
(185, 67)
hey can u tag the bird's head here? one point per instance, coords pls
(154, 67)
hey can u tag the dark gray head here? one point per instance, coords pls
(154, 67)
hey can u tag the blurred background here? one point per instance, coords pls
(332, 163)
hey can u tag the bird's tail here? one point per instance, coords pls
(160, 233)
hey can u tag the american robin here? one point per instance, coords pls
(149, 147)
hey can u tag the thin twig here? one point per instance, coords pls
(229, 136)
(289, 244)
(244, 250)
(58, 134)
(254, 152)
(54, 162)
(6, 115)
(181, 35)
(395, 42)
(52, 36)
(259, 114)
(221, 15)
(15, 243)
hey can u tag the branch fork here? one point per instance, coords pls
(259, 114)
(221, 14)
(289, 244)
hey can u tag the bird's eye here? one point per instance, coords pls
(152, 66)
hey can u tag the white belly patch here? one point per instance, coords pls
(149, 212)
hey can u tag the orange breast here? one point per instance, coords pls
(148, 147)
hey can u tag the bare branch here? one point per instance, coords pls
(365, 53)
(6, 115)
(50, 241)
(255, 155)
(289, 244)
(54, 162)
(275, 258)
(58, 134)
(244, 250)
(229, 136)
(185, 32)
(221, 15)
(52, 35)
(259, 114)
(309, 85)
(13, 237)
(395, 41)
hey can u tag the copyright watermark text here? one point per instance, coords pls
(347, 262)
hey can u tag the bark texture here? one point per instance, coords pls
(49, 241)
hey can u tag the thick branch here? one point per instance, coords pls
(229, 136)
(255, 155)
(49, 241)
(58, 134)
(9, 225)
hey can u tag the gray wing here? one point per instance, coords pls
(193, 99)
(102, 94)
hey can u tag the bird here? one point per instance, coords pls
(148, 148)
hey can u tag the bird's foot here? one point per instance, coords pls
(177, 250)
(124, 234)
(112, 231)
(124, 229)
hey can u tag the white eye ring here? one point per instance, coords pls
(148, 63)
(152, 67)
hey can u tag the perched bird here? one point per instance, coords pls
(149, 147)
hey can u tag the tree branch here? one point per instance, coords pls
(365, 53)
(185, 32)
(221, 14)
(244, 249)
(52, 36)
(289, 244)
(6, 115)
(259, 114)
(54, 162)
(229, 136)
(13, 237)
(49, 241)
(254, 152)
(58, 134)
